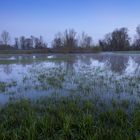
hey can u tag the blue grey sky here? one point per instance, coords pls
(47, 17)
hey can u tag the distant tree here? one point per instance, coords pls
(39, 43)
(42, 43)
(138, 31)
(36, 42)
(28, 43)
(116, 41)
(120, 39)
(22, 42)
(58, 41)
(33, 41)
(70, 41)
(136, 44)
(105, 44)
(86, 41)
(1, 42)
(16, 43)
(5, 37)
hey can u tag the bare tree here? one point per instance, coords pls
(16, 43)
(58, 41)
(138, 31)
(5, 36)
(39, 43)
(86, 41)
(136, 44)
(105, 44)
(70, 41)
(22, 42)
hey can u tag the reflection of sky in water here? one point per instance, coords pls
(16, 72)
(13, 71)
(132, 68)
(119, 64)
(128, 65)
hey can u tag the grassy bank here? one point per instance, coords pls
(50, 50)
(128, 52)
(67, 118)
(35, 51)
(62, 51)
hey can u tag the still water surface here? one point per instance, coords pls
(107, 75)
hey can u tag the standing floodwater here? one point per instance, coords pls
(109, 76)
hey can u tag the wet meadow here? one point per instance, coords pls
(70, 96)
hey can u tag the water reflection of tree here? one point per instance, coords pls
(85, 59)
(117, 63)
(134, 65)
(137, 60)
(7, 69)
(25, 59)
(66, 62)
(76, 61)
(70, 65)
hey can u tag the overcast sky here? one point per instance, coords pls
(47, 17)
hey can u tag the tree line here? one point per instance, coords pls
(69, 41)
(119, 40)
(22, 42)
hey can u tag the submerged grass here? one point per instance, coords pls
(4, 85)
(67, 118)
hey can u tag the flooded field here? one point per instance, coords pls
(104, 76)
(70, 97)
